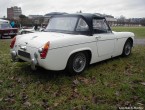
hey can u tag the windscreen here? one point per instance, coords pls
(4, 26)
(62, 24)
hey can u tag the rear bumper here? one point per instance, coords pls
(53, 61)
(13, 55)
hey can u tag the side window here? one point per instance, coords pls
(100, 26)
(82, 25)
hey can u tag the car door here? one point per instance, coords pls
(105, 39)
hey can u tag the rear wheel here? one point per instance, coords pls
(77, 63)
(127, 48)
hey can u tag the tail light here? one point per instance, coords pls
(13, 42)
(44, 51)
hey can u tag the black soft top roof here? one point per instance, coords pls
(86, 16)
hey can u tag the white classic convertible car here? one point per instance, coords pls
(71, 42)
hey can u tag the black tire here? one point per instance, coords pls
(12, 37)
(77, 63)
(0, 36)
(127, 48)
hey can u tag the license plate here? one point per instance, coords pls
(6, 34)
(24, 54)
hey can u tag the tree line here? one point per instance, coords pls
(131, 21)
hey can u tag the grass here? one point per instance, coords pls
(103, 86)
(138, 31)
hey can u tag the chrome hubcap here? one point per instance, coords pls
(79, 63)
(127, 49)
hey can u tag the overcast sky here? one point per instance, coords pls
(128, 8)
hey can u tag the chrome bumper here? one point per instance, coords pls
(14, 55)
(33, 64)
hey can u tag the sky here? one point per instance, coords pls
(116, 8)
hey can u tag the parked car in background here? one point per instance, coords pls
(4, 21)
(7, 31)
(30, 30)
(26, 30)
(71, 42)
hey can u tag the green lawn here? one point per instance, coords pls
(138, 31)
(103, 86)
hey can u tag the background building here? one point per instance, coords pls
(37, 19)
(49, 15)
(109, 18)
(14, 12)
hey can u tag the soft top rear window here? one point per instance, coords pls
(62, 24)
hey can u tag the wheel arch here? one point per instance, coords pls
(87, 51)
(128, 39)
(131, 40)
(69, 66)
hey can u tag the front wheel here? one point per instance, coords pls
(0, 36)
(12, 37)
(127, 48)
(77, 63)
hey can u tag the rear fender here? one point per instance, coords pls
(79, 50)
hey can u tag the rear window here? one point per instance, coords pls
(62, 24)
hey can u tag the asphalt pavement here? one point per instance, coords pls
(139, 42)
